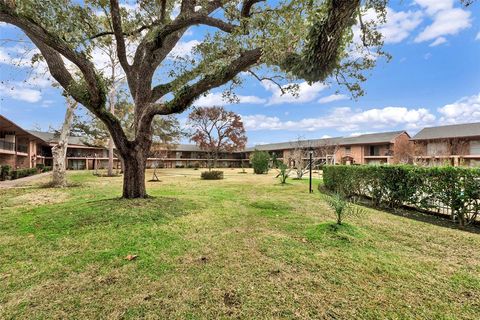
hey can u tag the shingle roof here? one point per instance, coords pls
(187, 147)
(294, 144)
(450, 131)
(382, 137)
(51, 137)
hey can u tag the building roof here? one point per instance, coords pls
(294, 144)
(187, 147)
(450, 131)
(52, 137)
(372, 138)
(8, 125)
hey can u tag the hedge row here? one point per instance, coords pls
(6, 171)
(427, 188)
(21, 173)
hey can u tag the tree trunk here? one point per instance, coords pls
(59, 152)
(110, 157)
(134, 176)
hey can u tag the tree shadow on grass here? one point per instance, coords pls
(60, 220)
(426, 217)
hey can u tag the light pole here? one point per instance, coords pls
(310, 182)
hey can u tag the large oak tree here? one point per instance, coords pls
(269, 40)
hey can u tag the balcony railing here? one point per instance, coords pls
(4, 145)
(22, 148)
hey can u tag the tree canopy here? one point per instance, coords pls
(277, 41)
(217, 130)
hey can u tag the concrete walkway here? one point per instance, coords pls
(22, 182)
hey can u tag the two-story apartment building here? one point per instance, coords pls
(373, 148)
(457, 144)
(18, 147)
(21, 148)
(452, 144)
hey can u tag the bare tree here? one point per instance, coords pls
(59, 151)
(403, 151)
(217, 130)
(326, 150)
(159, 152)
(297, 157)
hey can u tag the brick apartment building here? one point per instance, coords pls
(22, 148)
(375, 148)
(454, 145)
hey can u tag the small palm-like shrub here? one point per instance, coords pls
(283, 172)
(212, 175)
(342, 207)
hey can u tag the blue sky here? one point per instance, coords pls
(433, 79)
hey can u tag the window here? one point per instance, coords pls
(374, 151)
(348, 150)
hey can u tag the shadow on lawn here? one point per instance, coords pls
(438, 220)
(55, 221)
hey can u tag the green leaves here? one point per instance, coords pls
(428, 188)
(260, 160)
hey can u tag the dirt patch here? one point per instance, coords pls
(38, 197)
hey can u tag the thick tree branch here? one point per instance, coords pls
(247, 6)
(190, 92)
(118, 32)
(41, 35)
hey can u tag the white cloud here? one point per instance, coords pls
(17, 91)
(356, 134)
(477, 36)
(47, 103)
(399, 25)
(467, 109)
(332, 98)
(396, 28)
(446, 20)
(437, 42)
(305, 93)
(346, 119)
(216, 99)
(433, 6)
(183, 48)
(19, 56)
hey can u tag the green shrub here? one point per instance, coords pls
(428, 188)
(5, 172)
(212, 175)
(21, 173)
(40, 166)
(47, 168)
(260, 161)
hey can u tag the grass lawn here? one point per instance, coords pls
(245, 247)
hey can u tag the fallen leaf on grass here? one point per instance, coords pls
(131, 257)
